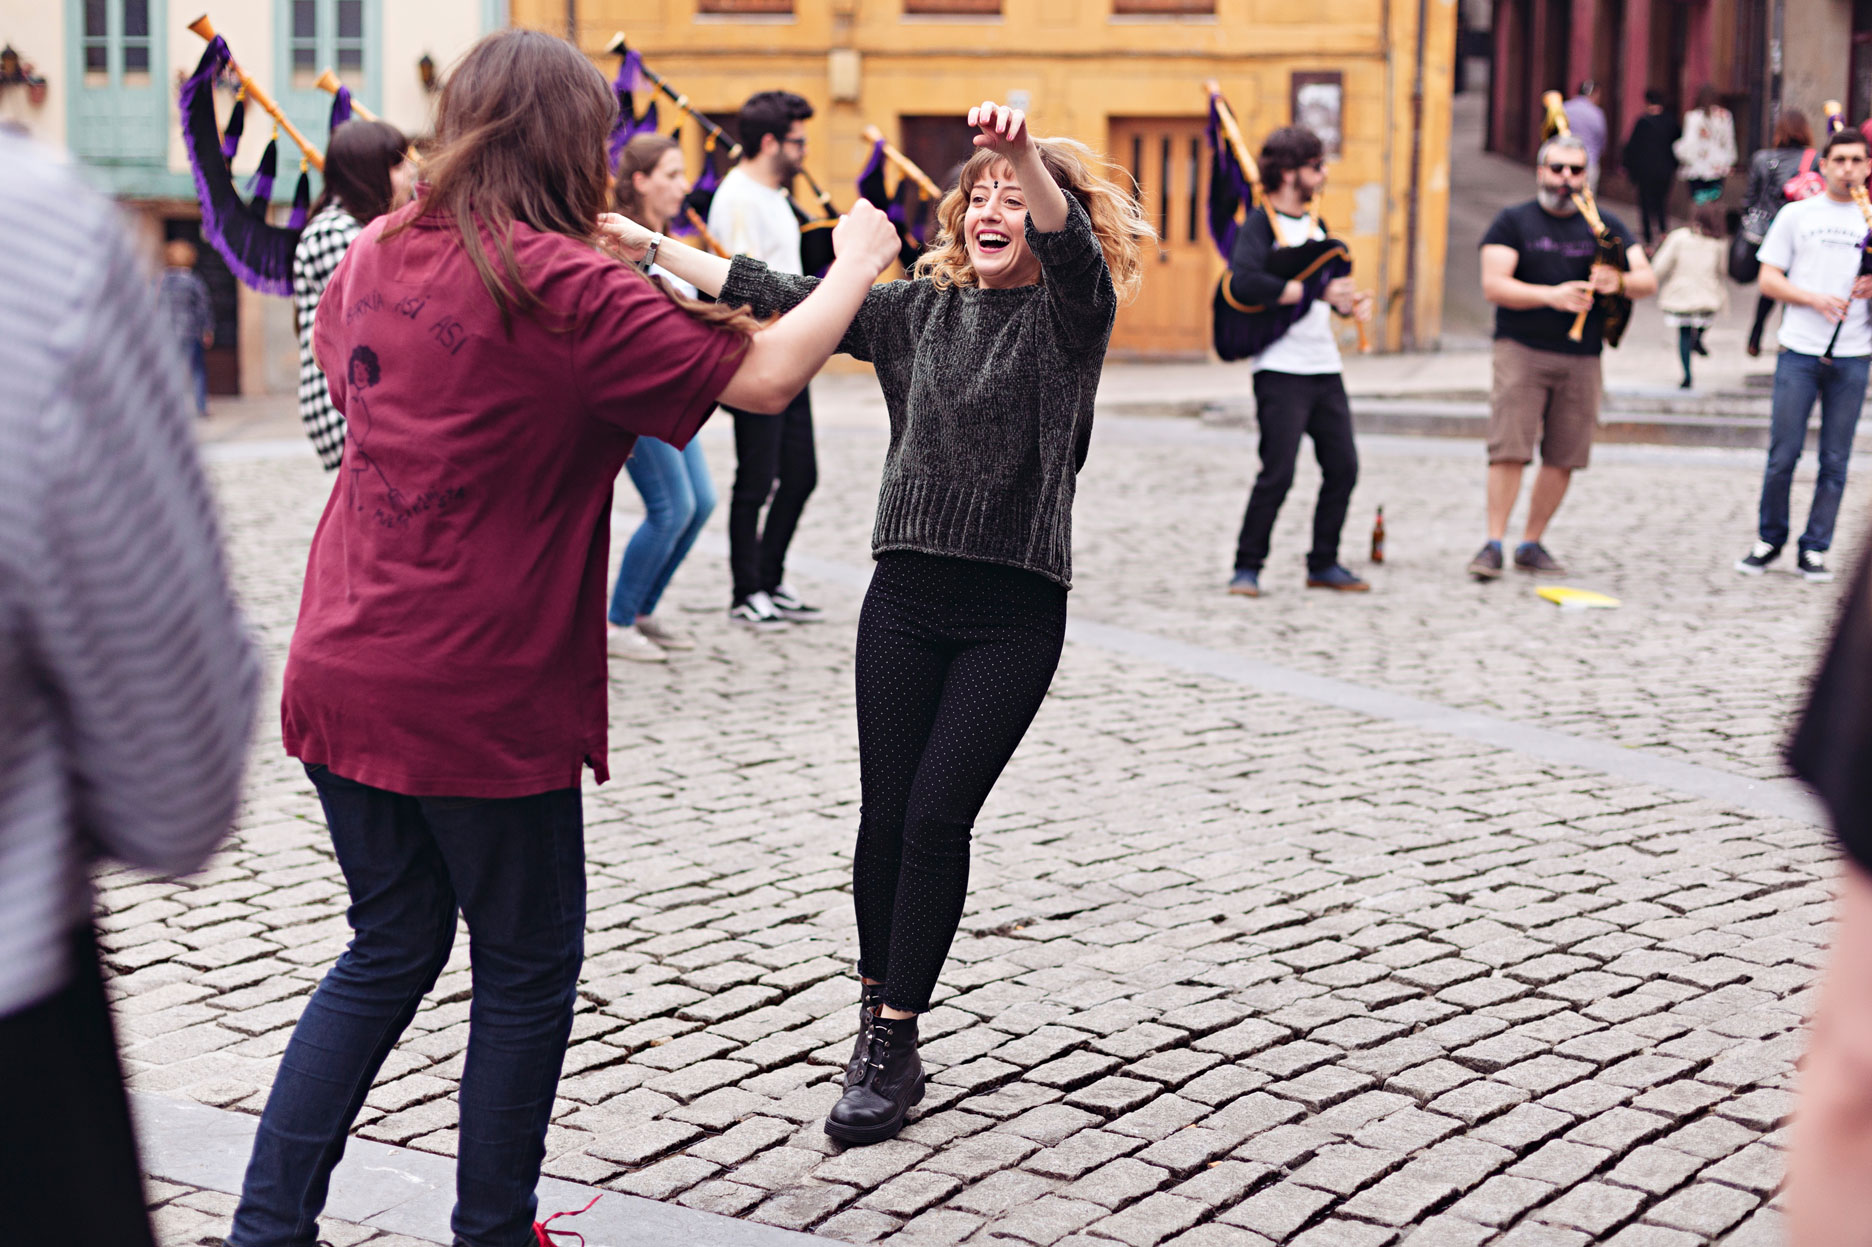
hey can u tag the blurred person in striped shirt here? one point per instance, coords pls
(127, 680)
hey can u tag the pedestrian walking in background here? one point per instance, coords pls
(1539, 270)
(776, 466)
(1298, 388)
(367, 173)
(445, 687)
(128, 679)
(989, 361)
(1829, 1201)
(1706, 150)
(1810, 264)
(1787, 171)
(1587, 120)
(190, 312)
(1651, 164)
(678, 493)
(1692, 285)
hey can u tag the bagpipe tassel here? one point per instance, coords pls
(260, 186)
(237, 123)
(302, 198)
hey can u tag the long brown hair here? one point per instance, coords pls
(1791, 129)
(520, 137)
(358, 161)
(1117, 221)
(641, 155)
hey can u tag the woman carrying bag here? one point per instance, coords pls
(1784, 172)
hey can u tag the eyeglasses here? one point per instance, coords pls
(1318, 166)
(798, 142)
(1566, 170)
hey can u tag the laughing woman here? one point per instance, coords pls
(989, 361)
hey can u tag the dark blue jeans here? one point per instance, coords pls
(515, 869)
(1840, 387)
(197, 355)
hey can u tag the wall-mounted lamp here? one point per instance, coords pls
(17, 73)
(426, 70)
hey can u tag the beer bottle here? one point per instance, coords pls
(1377, 538)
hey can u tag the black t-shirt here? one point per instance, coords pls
(1832, 745)
(1552, 249)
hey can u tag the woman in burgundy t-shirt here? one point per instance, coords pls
(446, 682)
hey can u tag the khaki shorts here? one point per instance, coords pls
(1544, 397)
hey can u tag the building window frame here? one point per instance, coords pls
(747, 10)
(1163, 10)
(118, 110)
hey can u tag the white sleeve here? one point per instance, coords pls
(1778, 247)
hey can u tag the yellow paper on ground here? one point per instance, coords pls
(1576, 599)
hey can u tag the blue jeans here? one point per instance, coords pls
(678, 498)
(1841, 387)
(515, 869)
(197, 355)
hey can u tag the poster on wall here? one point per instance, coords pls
(1319, 104)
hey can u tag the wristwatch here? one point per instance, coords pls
(650, 253)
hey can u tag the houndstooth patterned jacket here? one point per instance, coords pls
(321, 246)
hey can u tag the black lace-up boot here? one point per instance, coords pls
(870, 996)
(872, 1109)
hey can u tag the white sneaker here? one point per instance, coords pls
(665, 636)
(788, 606)
(1813, 566)
(632, 644)
(757, 613)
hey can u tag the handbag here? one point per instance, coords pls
(1744, 265)
(1806, 182)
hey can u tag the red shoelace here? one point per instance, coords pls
(546, 1236)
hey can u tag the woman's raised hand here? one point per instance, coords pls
(866, 236)
(623, 237)
(1003, 129)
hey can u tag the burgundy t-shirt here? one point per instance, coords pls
(451, 633)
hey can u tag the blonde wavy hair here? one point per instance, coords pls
(1101, 187)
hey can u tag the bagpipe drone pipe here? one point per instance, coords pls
(257, 252)
(1240, 329)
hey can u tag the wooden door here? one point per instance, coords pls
(1170, 318)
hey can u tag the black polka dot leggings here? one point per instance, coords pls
(954, 658)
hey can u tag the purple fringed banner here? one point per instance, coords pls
(257, 253)
(1228, 185)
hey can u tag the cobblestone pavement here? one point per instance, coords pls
(1237, 968)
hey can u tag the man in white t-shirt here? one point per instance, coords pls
(775, 464)
(1811, 265)
(1298, 390)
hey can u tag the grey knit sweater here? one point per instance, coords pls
(990, 397)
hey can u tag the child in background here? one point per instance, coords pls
(1692, 288)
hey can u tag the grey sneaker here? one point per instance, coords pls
(1532, 556)
(1756, 561)
(1486, 565)
(632, 644)
(1813, 566)
(664, 635)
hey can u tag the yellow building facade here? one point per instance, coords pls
(1123, 75)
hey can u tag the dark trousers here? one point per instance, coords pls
(1763, 306)
(515, 869)
(954, 659)
(1840, 386)
(1652, 197)
(774, 459)
(68, 1160)
(1287, 407)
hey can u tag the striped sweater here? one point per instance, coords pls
(127, 679)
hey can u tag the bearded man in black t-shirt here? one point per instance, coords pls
(1538, 270)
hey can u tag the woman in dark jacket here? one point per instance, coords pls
(1769, 173)
(1650, 162)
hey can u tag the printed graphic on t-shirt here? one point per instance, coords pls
(368, 487)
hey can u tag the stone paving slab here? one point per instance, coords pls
(1239, 966)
